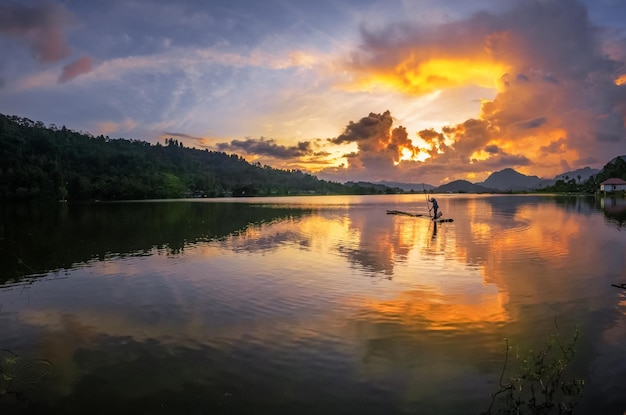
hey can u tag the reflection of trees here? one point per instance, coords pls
(36, 239)
(614, 210)
(581, 204)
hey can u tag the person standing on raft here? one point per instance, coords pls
(435, 207)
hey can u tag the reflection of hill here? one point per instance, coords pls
(37, 239)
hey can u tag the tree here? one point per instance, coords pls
(39, 163)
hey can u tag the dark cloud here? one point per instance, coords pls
(41, 26)
(79, 67)
(189, 140)
(493, 149)
(503, 161)
(267, 147)
(529, 124)
(368, 129)
(181, 135)
(522, 78)
(322, 155)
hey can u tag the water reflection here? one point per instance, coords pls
(319, 307)
(615, 210)
(36, 239)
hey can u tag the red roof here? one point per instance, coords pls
(613, 181)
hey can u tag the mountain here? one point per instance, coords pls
(461, 186)
(584, 174)
(510, 180)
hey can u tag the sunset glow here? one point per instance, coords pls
(357, 92)
(442, 312)
(445, 73)
(423, 77)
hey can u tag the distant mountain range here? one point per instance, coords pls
(502, 181)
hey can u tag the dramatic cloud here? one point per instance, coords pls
(80, 66)
(380, 147)
(385, 152)
(41, 26)
(560, 96)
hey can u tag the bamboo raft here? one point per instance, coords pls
(418, 215)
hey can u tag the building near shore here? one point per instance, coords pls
(613, 185)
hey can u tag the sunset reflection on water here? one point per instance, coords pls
(309, 300)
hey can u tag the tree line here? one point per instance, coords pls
(615, 168)
(39, 162)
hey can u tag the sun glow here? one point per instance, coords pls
(440, 73)
(419, 77)
(479, 156)
(408, 154)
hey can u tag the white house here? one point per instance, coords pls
(613, 185)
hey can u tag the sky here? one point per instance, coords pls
(405, 91)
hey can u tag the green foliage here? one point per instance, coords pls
(8, 370)
(17, 377)
(51, 163)
(539, 385)
(564, 186)
(616, 168)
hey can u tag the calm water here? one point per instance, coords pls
(312, 305)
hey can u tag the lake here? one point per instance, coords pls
(307, 305)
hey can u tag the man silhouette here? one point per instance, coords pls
(435, 207)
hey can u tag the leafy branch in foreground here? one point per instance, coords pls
(15, 373)
(540, 385)
(8, 366)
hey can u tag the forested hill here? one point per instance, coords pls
(39, 162)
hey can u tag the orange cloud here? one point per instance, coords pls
(555, 105)
(420, 77)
